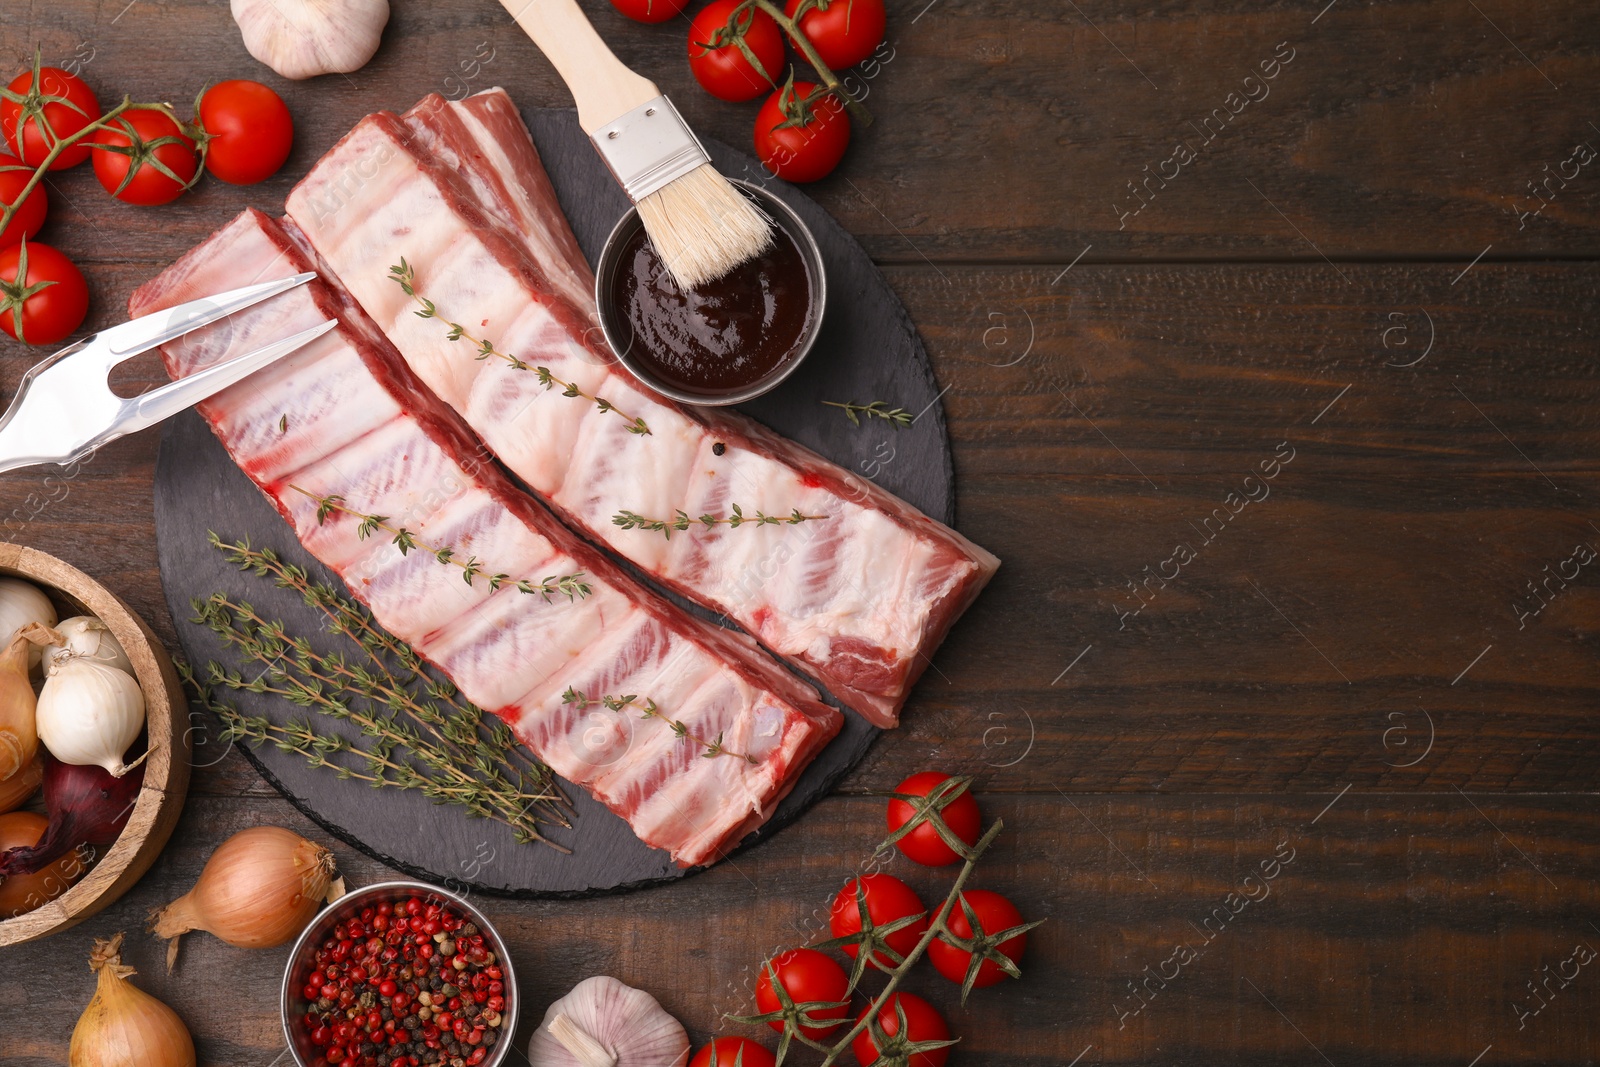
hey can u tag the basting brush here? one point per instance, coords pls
(701, 226)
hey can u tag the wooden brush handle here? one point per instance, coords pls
(602, 86)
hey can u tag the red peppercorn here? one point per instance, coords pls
(321, 1036)
(334, 1053)
(496, 1004)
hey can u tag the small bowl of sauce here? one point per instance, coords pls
(724, 342)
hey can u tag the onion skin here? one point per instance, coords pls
(19, 731)
(259, 889)
(124, 1026)
(20, 893)
(15, 791)
(87, 806)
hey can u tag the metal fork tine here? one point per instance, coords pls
(123, 342)
(152, 407)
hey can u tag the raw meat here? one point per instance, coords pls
(346, 416)
(859, 599)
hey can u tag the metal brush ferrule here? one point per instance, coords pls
(649, 148)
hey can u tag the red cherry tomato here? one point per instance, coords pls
(923, 1023)
(888, 900)
(733, 1052)
(140, 139)
(51, 293)
(30, 216)
(807, 976)
(801, 138)
(844, 32)
(66, 104)
(718, 64)
(995, 914)
(924, 845)
(651, 11)
(251, 131)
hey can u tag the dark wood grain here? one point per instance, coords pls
(1366, 605)
(1010, 131)
(1393, 909)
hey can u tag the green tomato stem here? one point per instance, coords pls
(858, 110)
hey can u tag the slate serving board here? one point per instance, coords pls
(868, 350)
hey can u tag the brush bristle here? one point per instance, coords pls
(702, 227)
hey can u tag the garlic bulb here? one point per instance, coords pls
(21, 603)
(84, 637)
(89, 714)
(604, 1023)
(304, 38)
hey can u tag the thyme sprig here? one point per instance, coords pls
(404, 275)
(898, 1048)
(648, 710)
(681, 520)
(395, 660)
(572, 586)
(878, 409)
(413, 733)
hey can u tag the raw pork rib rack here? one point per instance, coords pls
(859, 600)
(346, 417)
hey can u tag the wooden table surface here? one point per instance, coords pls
(1344, 277)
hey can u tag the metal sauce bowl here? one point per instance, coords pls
(615, 327)
(302, 962)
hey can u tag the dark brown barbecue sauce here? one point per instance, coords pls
(722, 336)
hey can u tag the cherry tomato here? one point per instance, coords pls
(718, 64)
(923, 1023)
(844, 32)
(888, 900)
(651, 11)
(251, 131)
(924, 845)
(995, 914)
(807, 976)
(52, 294)
(30, 216)
(733, 1052)
(67, 105)
(147, 142)
(800, 138)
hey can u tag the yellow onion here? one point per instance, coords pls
(21, 893)
(19, 730)
(124, 1026)
(259, 889)
(15, 791)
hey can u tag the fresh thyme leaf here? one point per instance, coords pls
(878, 409)
(404, 276)
(632, 520)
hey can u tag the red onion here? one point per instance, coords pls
(87, 806)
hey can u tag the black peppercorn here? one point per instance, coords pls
(718, 449)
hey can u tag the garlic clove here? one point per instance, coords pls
(88, 714)
(603, 1022)
(84, 637)
(21, 603)
(304, 38)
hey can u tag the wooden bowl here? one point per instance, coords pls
(166, 775)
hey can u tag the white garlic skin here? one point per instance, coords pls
(86, 637)
(21, 603)
(629, 1022)
(305, 38)
(89, 714)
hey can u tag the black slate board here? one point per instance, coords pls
(867, 350)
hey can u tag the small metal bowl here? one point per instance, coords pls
(302, 962)
(615, 328)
